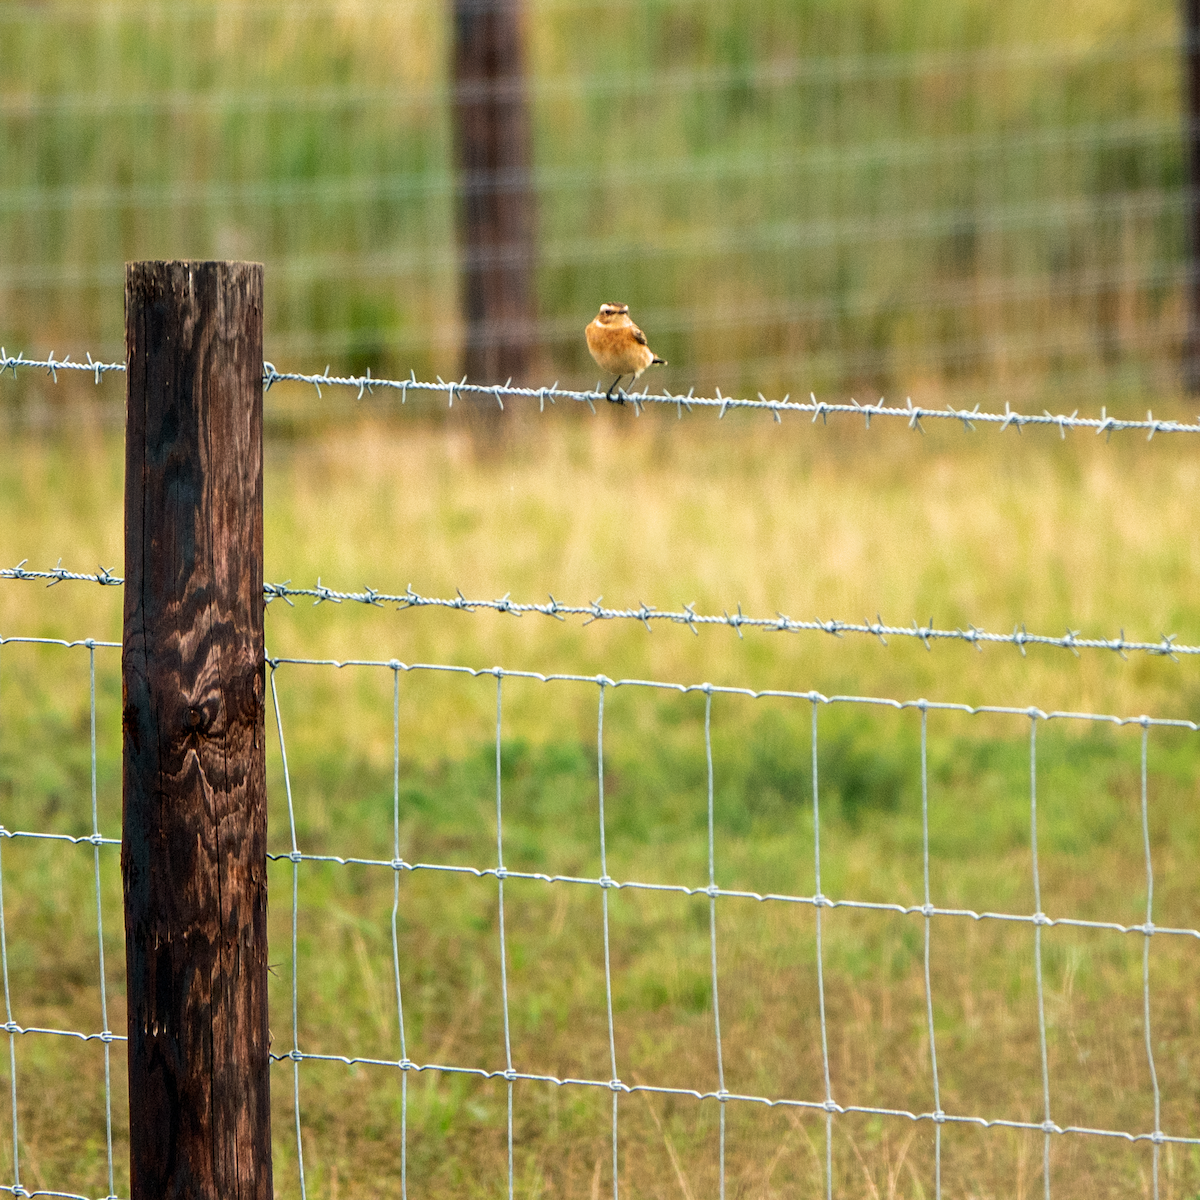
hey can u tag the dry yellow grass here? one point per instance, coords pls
(806, 520)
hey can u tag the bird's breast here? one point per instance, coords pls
(615, 349)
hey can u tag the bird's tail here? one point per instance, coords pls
(661, 361)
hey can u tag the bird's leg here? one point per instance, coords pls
(609, 394)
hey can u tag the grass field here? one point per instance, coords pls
(956, 202)
(809, 520)
(960, 199)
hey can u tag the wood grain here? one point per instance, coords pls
(193, 853)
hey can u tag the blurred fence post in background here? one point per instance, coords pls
(193, 852)
(1191, 117)
(496, 203)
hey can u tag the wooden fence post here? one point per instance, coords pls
(193, 851)
(496, 215)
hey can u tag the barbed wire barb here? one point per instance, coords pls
(914, 415)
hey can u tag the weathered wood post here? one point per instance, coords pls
(193, 852)
(496, 208)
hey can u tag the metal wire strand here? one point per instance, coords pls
(296, 859)
(821, 159)
(12, 1041)
(1146, 962)
(397, 862)
(912, 415)
(500, 874)
(106, 1035)
(605, 882)
(819, 903)
(1047, 1123)
(712, 929)
(928, 908)
(1168, 645)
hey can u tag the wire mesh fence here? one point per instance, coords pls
(312, 876)
(23, 1100)
(817, 900)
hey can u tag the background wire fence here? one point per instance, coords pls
(847, 198)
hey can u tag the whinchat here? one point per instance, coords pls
(617, 344)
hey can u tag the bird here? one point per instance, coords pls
(617, 344)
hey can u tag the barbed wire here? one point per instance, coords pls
(1153, 337)
(52, 365)
(102, 575)
(911, 414)
(1168, 646)
(644, 613)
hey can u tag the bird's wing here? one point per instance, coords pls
(638, 335)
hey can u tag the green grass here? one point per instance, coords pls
(806, 519)
(920, 232)
(945, 200)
